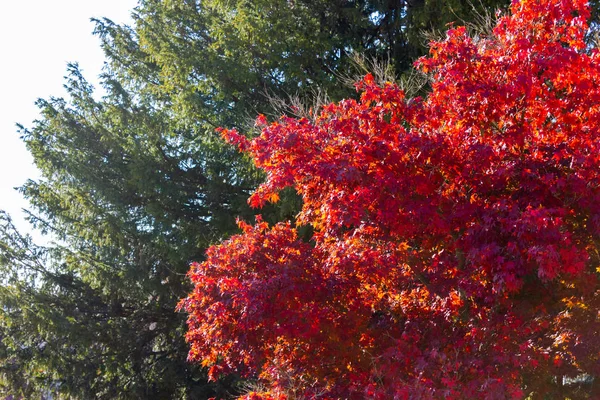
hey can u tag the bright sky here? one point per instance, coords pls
(37, 40)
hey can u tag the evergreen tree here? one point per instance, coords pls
(136, 184)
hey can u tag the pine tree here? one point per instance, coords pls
(136, 183)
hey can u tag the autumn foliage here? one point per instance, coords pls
(456, 237)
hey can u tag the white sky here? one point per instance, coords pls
(37, 40)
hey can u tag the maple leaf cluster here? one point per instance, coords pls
(455, 246)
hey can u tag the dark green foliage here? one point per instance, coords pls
(220, 57)
(134, 196)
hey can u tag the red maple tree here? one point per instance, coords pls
(456, 237)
